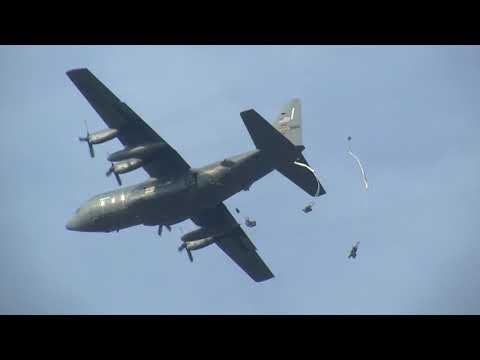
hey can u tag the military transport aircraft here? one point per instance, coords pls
(175, 191)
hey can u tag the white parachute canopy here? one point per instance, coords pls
(359, 163)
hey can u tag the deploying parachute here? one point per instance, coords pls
(353, 251)
(358, 162)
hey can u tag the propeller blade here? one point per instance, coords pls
(119, 181)
(110, 171)
(90, 147)
(168, 227)
(160, 227)
(189, 253)
(87, 140)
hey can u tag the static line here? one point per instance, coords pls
(361, 168)
(304, 165)
(313, 172)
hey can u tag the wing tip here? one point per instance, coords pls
(76, 71)
(247, 112)
(265, 277)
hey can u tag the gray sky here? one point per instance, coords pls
(413, 113)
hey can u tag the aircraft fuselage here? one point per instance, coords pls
(167, 202)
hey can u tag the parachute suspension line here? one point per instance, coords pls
(350, 152)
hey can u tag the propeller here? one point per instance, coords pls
(112, 170)
(87, 140)
(189, 253)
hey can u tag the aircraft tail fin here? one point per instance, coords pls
(284, 148)
(289, 122)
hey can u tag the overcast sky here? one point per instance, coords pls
(413, 113)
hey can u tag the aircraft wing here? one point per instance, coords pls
(132, 129)
(236, 243)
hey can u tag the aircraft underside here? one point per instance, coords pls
(175, 191)
(208, 188)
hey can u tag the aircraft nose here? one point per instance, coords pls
(73, 224)
(69, 225)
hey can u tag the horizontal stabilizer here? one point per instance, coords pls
(300, 173)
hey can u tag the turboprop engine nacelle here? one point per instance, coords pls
(202, 233)
(198, 244)
(102, 136)
(125, 166)
(137, 152)
(98, 138)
